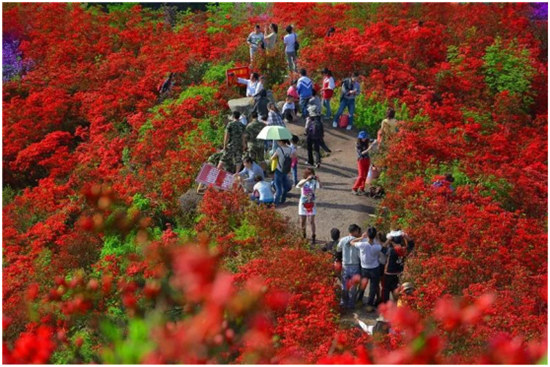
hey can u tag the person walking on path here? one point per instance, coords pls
(363, 163)
(350, 90)
(305, 91)
(369, 252)
(351, 268)
(255, 41)
(270, 36)
(314, 131)
(233, 144)
(327, 91)
(306, 206)
(290, 41)
(283, 155)
(255, 147)
(251, 84)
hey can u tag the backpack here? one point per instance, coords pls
(296, 44)
(315, 128)
(344, 121)
(287, 162)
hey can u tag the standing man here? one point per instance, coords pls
(255, 146)
(350, 89)
(305, 91)
(290, 41)
(233, 145)
(254, 41)
(251, 84)
(351, 268)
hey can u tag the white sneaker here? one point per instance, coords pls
(334, 125)
(348, 128)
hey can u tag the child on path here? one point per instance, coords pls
(306, 207)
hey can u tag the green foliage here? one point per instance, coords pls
(363, 11)
(216, 72)
(245, 231)
(120, 7)
(484, 119)
(205, 92)
(500, 189)
(508, 68)
(140, 202)
(118, 245)
(129, 348)
(212, 132)
(454, 168)
(8, 194)
(370, 113)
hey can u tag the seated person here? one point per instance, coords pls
(262, 192)
(247, 176)
(289, 108)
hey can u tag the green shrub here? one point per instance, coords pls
(508, 68)
(370, 112)
(205, 92)
(216, 72)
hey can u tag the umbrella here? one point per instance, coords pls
(274, 133)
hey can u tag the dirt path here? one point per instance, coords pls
(336, 206)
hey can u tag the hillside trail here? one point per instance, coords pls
(337, 207)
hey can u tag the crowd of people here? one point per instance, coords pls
(372, 258)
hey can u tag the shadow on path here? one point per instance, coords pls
(361, 208)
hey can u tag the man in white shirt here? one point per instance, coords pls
(350, 266)
(369, 253)
(254, 41)
(290, 48)
(251, 84)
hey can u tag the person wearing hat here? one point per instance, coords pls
(314, 132)
(400, 245)
(363, 163)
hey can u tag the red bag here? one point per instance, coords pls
(344, 121)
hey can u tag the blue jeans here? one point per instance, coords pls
(303, 105)
(350, 104)
(326, 104)
(295, 173)
(282, 186)
(348, 295)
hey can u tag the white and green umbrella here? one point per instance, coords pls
(274, 133)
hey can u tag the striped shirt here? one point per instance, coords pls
(274, 119)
